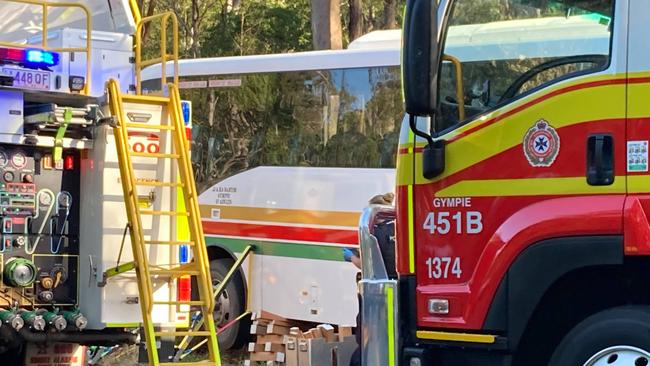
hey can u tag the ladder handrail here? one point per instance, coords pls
(182, 146)
(164, 56)
(135, 11)
(191, 204)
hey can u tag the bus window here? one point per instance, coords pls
(346, 118)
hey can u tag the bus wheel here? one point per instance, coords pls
(615, 337)
(229, 305)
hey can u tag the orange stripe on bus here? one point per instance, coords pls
(281, 215)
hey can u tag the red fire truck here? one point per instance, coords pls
(522, 183)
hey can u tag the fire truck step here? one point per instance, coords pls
(155, 155)
(145, 126)
(164, 213)
(159, 184)
(167, 242)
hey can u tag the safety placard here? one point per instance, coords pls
(57, 354)
(637, 156)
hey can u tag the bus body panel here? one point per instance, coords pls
(300, 220)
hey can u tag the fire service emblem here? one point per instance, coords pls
(541, 144)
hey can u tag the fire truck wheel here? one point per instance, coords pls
(229, 305)
(615, 337)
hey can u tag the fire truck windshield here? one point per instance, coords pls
(495, 52)
(23, 21)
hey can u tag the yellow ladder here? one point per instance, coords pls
(199, 268)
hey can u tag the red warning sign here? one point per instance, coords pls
(57, 354)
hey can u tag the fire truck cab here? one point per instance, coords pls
(523, 232)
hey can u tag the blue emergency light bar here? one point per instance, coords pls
(42, 57)
(32, 58)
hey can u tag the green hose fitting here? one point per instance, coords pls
(76, 319)
(55, 320)
(33, 320)
(12, 319)
(20, 272)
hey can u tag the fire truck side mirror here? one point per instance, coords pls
(420, 57)
(433, 159)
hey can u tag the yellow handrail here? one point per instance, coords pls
(460, 93)
(44, 26)
(164, 56)
(135, 11)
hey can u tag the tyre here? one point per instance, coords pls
(615, 337)
(229, 305)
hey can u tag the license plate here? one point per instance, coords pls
(29, 79)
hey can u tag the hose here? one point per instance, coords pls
(38, 214)
(65, 220)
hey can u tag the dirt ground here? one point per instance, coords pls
(127, 356)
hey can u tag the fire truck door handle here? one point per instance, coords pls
(600, 160)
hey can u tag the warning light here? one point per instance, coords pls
(68, 162)
(186, 106)
(32, 58)
(185, 288)
(42, 57)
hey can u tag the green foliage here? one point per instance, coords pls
(260, 27)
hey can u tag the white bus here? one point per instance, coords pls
(287, 150)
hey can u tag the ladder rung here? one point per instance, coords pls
(159, 184)
(146, 126)
(168, 242)
(188, 363)
(200, 333)
(155, 155)
(179, 303)
(164, 213)
(177, 272)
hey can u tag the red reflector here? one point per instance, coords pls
(68, 162)
(185, 288)
(188, 133)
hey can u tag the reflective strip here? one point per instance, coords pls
(559, 110)
(456, 337)
(391, 325)
(411, 232)
(638, 183)
(411, 208)
(529, 187)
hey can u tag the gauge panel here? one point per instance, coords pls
(39, 213)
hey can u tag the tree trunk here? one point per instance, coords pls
(326, 24)
(195, 24)
(235, 4)
(390, 14)
(356, 19)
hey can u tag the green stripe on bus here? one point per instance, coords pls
(279, 249)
